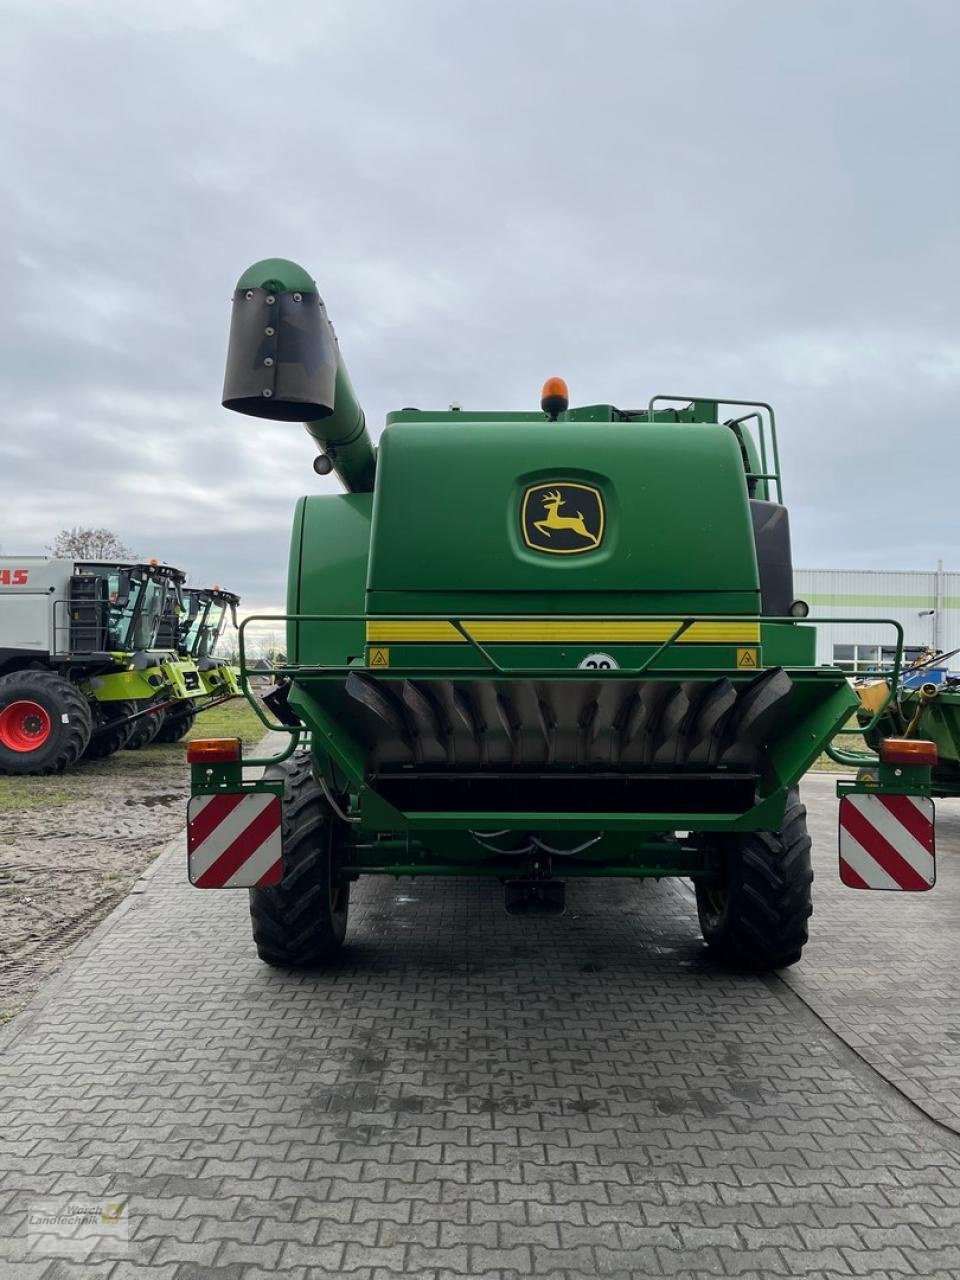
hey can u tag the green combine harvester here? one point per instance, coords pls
(533, 646)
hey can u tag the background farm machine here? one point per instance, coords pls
(89, 661)
(194, 629)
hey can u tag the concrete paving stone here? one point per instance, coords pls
(517, 1257)
(325, 1258)
(548, 1234)
(24, 1270)
(425, 1234)
(763, 1261)
(803, 1262)
(88, 1269)
(269, 1230)
(485, 1095)
(359, 1255)
(946, 1258)
(673, 1261)
(264, 1256)
(175, 1226)
(190, 1271)
(241, 1231)
(886, 1261)
(203, 1253)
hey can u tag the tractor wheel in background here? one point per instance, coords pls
(114, 732)
(755, 912)
(868, 774)
(45, 723)
(177, 722)
(145, 729)
(302, 921)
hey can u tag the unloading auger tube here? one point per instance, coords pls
(535, 646)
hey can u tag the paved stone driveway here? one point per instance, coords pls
(470, 1094)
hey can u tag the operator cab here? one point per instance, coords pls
(119, 608)
(206, 610)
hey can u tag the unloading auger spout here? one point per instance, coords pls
(284, 363)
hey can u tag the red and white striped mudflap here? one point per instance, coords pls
(234, 840)
(887, 842)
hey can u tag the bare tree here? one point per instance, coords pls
(89, 544)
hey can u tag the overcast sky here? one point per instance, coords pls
(748, 199)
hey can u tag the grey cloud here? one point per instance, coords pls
(745, 199)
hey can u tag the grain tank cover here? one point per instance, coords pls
(518, 508)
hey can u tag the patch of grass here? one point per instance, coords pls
(18, 794)
(235, 719)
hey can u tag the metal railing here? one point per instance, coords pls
(460, 624)
(766, 431)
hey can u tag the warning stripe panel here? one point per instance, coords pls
(893, 838)
(203, 819)
(229, 821)
(887, 845)
(909, 811)
(234, 840)
(859, 871)
(851, 877)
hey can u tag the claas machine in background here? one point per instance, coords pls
(81, 674)
(533, 646)
(194, 630)
(207, 611)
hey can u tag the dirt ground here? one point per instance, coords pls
(71, 847)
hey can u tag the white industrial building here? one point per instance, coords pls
(926, 603)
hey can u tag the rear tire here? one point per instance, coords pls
(755, 913)
(145, 729)
(302, 921)
(45, 723)
(177, 723)
(112, 736)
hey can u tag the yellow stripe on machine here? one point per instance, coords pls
(589, 631)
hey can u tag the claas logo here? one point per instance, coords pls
(14, 577)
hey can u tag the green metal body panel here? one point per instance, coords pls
(446, 522)
(221, 681)
(125, 685)
(163, 681)
(329, 551)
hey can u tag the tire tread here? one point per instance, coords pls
(769, 900)
(78, 729)
(293, 925)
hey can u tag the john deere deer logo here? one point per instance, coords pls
(563, 518)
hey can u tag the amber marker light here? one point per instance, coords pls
(554, 398)
(908, 751)
(213, 751)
